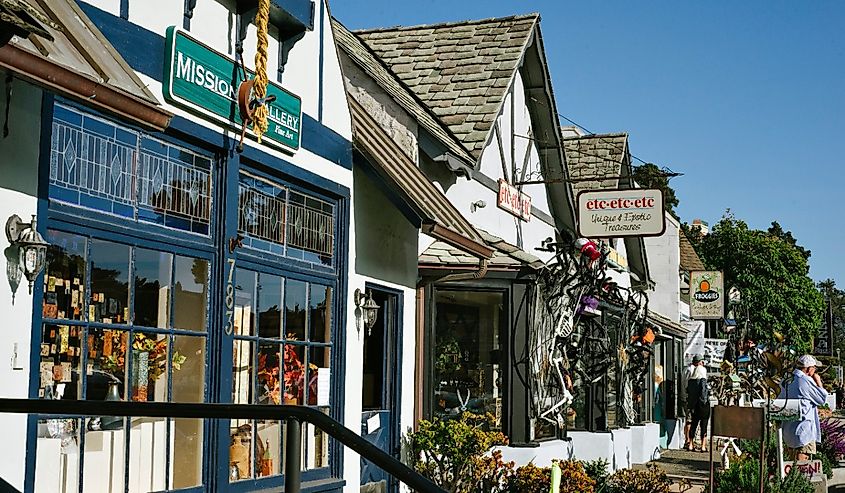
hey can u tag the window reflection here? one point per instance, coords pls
(190, 293)
(106, 363)
(319, 376)
(268, 448)
(188, 369)
(64, 277)
(186, 453)
(109, 298)
(468, 371)
(295, 305)
(241, 463)
(269, 306)
(320, 319)
(152, 288)
(242, 372)
(244, 303)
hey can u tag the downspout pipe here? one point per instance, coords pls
(468, 276)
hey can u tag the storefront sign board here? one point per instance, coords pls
(203, 80)
(619, 213)
(707, 295)
(514, 201)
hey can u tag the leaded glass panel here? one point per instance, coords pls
(100, 165)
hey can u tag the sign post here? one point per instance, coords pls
(204, 81)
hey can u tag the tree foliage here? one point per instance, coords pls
(650, 176)
(777, 231)
(772, 274)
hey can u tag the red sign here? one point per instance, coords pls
(514, 201)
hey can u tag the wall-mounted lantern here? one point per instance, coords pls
(31, 246)
(369, 309)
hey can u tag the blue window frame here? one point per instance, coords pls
(159, 203)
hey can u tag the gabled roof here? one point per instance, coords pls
(460, 70)
(602, 162)
(362, 56)
(595, 156)
(690, 260)
(75, 60)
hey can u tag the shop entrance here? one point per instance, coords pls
(380, 389)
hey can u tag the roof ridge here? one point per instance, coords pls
(595, 136)
(445, 128)
(448, 24)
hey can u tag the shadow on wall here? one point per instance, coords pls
(437, 173)
(13, 269)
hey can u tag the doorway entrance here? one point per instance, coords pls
(380, 388)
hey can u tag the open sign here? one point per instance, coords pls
(808, 468)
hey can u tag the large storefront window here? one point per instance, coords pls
(281, 355)
(129, 299)
(468, 365)
(109, 333)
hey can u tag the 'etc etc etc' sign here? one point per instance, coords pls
(618, 213)
(201, 79)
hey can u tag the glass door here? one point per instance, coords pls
(279, 279)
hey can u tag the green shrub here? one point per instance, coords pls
(744, 474)
(650, 480)
(598, 471)
(533, 479)
(454, 454)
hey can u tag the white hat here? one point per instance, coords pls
(807, 361)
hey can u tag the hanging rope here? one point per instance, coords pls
(262, 18)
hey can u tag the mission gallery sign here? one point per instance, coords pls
(202, 80)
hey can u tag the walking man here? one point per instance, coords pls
(801, 436)
(685, 404)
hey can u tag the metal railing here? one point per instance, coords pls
(293, 416)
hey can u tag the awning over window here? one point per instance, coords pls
(56, 46)
(505, 256)
(666, 325)
(437, 216)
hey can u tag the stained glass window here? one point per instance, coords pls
(100, 165)
(276, 219)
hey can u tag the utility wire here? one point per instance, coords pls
(593, 134)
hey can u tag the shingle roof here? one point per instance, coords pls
(690, 260)
(460, 70)
(387, 80)
(505, 255)
(594, 156)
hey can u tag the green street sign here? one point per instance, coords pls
(203, 80)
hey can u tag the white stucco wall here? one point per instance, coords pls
(18, 195)
(514, 125)
(664, 260)
(383, 246)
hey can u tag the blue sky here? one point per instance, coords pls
(747, 99)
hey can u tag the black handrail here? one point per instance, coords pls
(293, 416)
